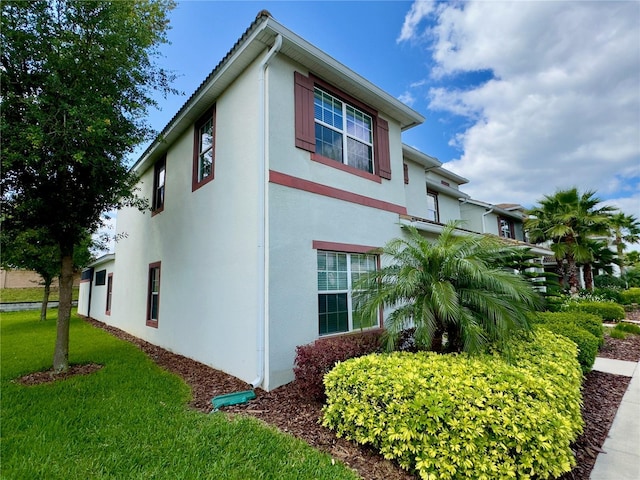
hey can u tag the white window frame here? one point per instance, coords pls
(344, 131)
(436, 207)
(348, 290)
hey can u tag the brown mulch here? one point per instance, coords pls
(49, 376)
(284, 408)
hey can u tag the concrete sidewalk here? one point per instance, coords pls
(622, 446)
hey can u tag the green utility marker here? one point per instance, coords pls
(232, 399)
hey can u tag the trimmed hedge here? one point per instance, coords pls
(582, 328)
(590, 322)
(630, 296)
(314, 360)
(609, 311)
(628, 327)
(461, 417)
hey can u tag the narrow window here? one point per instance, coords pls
(109, 293)
(432, 206)
(337, 273)
(204, 150)
(159, 175)
(153, 296)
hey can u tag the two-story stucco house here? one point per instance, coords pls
(270, 189)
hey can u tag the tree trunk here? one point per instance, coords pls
(45, 299)
(560, 272)
(436, 340)
(588, 277)
(620, 252)
(572, 270)
(61, 353)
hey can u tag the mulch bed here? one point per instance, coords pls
(48, 376)
(285, 409)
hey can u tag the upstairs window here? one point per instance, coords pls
(433, 213)
(101, 277)
(204, 149)
(339, 130)
(159, 175)
(506, 228)
(343, 133)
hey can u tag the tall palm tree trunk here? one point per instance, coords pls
(588, 277)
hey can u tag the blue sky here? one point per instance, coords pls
(522, 98)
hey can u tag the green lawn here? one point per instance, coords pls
(128, 420)
(30, 294)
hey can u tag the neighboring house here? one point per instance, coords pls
(270, 189)
(17, 278)
(504, 220)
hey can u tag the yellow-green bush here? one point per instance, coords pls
(461, 417)
(609, 311)
(585, 329)
(630, 296)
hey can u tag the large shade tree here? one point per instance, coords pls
(454, 287)
(568, 219)
(77, 82)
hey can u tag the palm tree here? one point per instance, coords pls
(624, 229)
(568, 219)
(451, 286)
(602, 257)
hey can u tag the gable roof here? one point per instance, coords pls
(257, 39)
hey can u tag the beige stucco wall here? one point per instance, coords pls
(27, 279)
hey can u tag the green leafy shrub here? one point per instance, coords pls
(628, 327)
(608, 293)
(587, 343)
(630, 296)
(460, 416)
(588, 321)
(609, 311)
(601, 281)
(314, 360)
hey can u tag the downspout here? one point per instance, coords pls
(263, 169)
(484, 216)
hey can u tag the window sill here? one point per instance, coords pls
(157, 211)
(345, 168)
(152, 323)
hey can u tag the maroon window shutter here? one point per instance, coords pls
(382, 149)
(305, 128)
(406, 173)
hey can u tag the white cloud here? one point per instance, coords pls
(407, 97)
(420, 10)
(563, 106)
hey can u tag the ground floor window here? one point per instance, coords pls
(337, 273)
(153, 296)
(109, 293)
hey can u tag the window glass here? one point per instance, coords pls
(432, 207)
(337, 273)
(158, 182)
(154, 293)
(343, 133)
(101, 277)
(206, 150)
